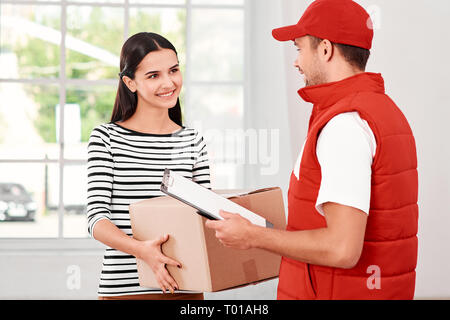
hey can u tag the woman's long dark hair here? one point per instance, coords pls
(133, 51)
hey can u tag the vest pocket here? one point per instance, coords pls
(295, 281)
(309, 280)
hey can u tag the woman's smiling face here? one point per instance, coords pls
(157, 79)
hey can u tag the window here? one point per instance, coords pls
(59, 62)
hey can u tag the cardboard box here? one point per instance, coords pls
(207, 265)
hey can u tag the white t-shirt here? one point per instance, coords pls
(345, 149)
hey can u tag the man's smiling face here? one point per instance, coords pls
(308, 63)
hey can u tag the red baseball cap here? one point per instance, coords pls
(340, 21)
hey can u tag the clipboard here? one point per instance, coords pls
(207, 202)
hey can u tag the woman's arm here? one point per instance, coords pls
(200, 171)
(99, 177)
(100, 227)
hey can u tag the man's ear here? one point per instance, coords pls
(326, 50)
(130, 83)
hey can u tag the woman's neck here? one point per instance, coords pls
(149, 119)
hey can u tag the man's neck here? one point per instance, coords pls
(342, 72)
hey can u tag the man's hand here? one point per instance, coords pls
(234, 231)
(339, 244)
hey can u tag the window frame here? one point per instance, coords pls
(61, 243)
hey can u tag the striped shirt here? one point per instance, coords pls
(125, 166)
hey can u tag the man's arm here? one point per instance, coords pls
(337, 245)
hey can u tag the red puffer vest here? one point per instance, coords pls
(386, 268)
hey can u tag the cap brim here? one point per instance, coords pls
(288, 33)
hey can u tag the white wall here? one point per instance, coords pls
(50, 275)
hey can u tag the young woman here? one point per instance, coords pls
(126, 161)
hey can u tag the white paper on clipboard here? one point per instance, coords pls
(207, 202)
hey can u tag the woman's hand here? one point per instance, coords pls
(150, 252)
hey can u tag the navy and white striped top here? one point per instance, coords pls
(125, 166)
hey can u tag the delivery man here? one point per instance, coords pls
(352, 200)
